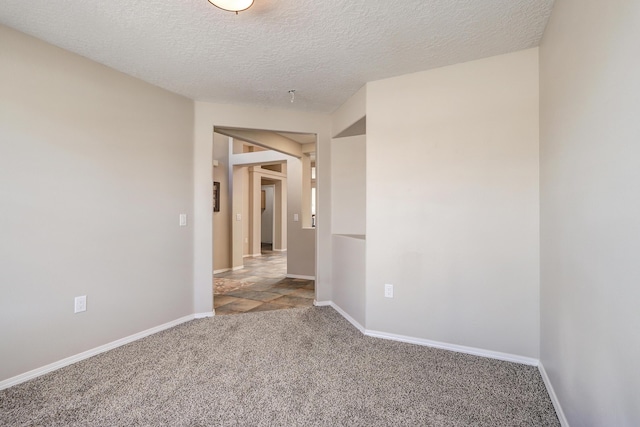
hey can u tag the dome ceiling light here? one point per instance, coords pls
(232, 5)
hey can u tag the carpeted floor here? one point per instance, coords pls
(298, 367)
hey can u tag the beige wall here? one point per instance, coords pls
(222, 219)
(590, 210)
(95, 168)
(301, 241)
(349, 113)
(349, 269)
(266, 216)
(246, 217)
(348, 181)
(452, 204)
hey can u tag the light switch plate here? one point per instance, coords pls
(183, 220)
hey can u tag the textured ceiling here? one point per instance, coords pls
(324, 49)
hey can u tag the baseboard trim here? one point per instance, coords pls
(430, 343)
(554, 397)
(222, 270)
(298, 276)
(240, 267)
(204, 315)
(279, 250)
(351, 320)
(321, 303)
(507, 357)
(89, 353)
(252, 255)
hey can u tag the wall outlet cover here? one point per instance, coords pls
(80, 304)
(388, 290)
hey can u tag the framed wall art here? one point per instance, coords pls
(216, 196)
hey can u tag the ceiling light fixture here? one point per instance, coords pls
(232, 5)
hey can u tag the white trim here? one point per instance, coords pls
(554, 398)
(351, 320)
(89, 353)
(454, 347)
(240, 267)
(429, 343)
(298, 276)
(321, 303)
(222, 270)
(279, 250)
(204, 315)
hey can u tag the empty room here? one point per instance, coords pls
(452, 183)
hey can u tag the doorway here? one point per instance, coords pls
(263, 216)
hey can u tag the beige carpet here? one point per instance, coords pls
(298, 367)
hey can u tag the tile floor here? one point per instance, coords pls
(260, 286)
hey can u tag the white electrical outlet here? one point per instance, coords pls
(80, 304)
(183, 220)
(238, 217)
(296, 218)
(388, 291)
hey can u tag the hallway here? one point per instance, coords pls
(261, 285)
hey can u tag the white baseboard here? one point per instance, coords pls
(430, 343)
(204, 315)
(454, 347)
(351, 320)
(298, 276)
(553, 396)
(279, 250)
(89, 353)
(321, 303)
(240, 267)
(222, 270)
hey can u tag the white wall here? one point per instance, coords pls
(452, 204)
(590, 210)
(95, 167)
(243, 116)
(348, 185)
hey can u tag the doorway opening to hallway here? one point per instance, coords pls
(264, 186)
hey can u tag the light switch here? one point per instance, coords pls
(238, 217)
(296, 218)
(183, 220)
